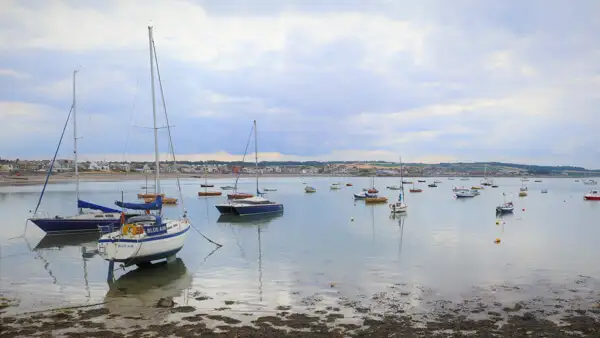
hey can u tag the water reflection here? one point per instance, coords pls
(150, 291)
(400, 218)
(88, 249)
(258, 221)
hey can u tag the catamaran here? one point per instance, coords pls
(82, 221)
(251, 205)
(146, 238)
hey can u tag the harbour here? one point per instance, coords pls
(326, 251)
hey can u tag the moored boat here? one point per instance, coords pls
(165, 200)
(348, 184)
(421, 181)
(209, 193)
(310, 190)
(334, 186)
(146, 238)
(416, 190)
(522, 193)
(593, 195)
(207, 185)
(476, 187)
(464, 193)
(504, 208)
(544, 191)
(227, 187)
(432, 185)
(590, 182)
(363, 195)
(393, 187)
(376, 200)
(239, 195)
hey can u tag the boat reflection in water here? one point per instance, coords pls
(148, 292)
(258, 221)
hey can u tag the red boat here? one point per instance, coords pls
(416, 190)
(348, 184)
(238, 196)
(372, 191)
(593, 195)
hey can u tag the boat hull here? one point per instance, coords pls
(591, 198)
(145, 250)
(67, 226)
(247, 210)
(504, 210)
(209, 193)
(239, 196)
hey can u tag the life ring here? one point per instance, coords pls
(128, 229)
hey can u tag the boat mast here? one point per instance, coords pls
(156, 158)
(256, 157)
(401, 181)
(75, 135)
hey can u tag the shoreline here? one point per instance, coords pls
(394, 314)
(39, 178)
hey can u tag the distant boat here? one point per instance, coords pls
(309, 190)
(269, 189)
(464, 193)
(432, 185)
(253, 205)
(477, 187)
(486, 181)
(464, 178)
(399, 206)
(525, 179)
(363, 195)
(590, 182)
(348, 184)
(209, 193)
(437, 181)
(523, 187)
(537, 181)
(504, 208)
(576, 180)
(376, 200)
(522, 193)
(450, 178)
(494, 186)
(373, 190)
(207, 185)
(593, 195)
(421, 181)
(334, 186)
(228, 187)
(544, 191)
(415, 189)
(407, 182)
(393, 187)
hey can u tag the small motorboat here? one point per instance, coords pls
(227, 187)
(421, 181)
(363, 195)
(334, 186)
(269, 189)
(416, 190)
(544, 191)
(494, 186)
(348, 184)
(590, 182)
(464, 193)
(376, 200)
(239, 196)
(593, 195)
(505, 208)
(407, 182)
(394, 187)
(309, 190)
(522, 193)
(207, 185)
(432, 185)
(209, 193)
(538, 181)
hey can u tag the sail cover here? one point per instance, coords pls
(156, 205)
(87, 205)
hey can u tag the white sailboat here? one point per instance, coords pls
(399, 206)
(150, 237)
(486, 181)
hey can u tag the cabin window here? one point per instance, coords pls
(98, 216)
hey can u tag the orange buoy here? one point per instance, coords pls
(497, 241)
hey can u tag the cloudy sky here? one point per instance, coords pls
(461, 80)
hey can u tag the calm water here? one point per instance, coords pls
(442, 248)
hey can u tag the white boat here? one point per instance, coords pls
(309, 189)
(593, 195)
(363, 194)
(486, 181)
(146, 238)
(334, 186)
(464, 178)
(394, 187)
(464, 193)
(228, 187)
(399, 206)
(590, 182)
(544, 191)
(506, 207)
(437, 181)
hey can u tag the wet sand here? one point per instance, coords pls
(578, 316)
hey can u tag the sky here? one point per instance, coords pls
(431, 81)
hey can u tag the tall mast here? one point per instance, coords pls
(75, 134)
(256, 156)
(156, 158)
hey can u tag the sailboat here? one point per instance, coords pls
(373, 190)
(251, 205)
(205, 184)
(486, 181)
(506, 207)
(146, 238)
(399, 206)
(207, 193)
(83, 221)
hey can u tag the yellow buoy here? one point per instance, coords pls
(497, 241)
(497, 222)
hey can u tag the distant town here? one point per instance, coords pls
(335, 168)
